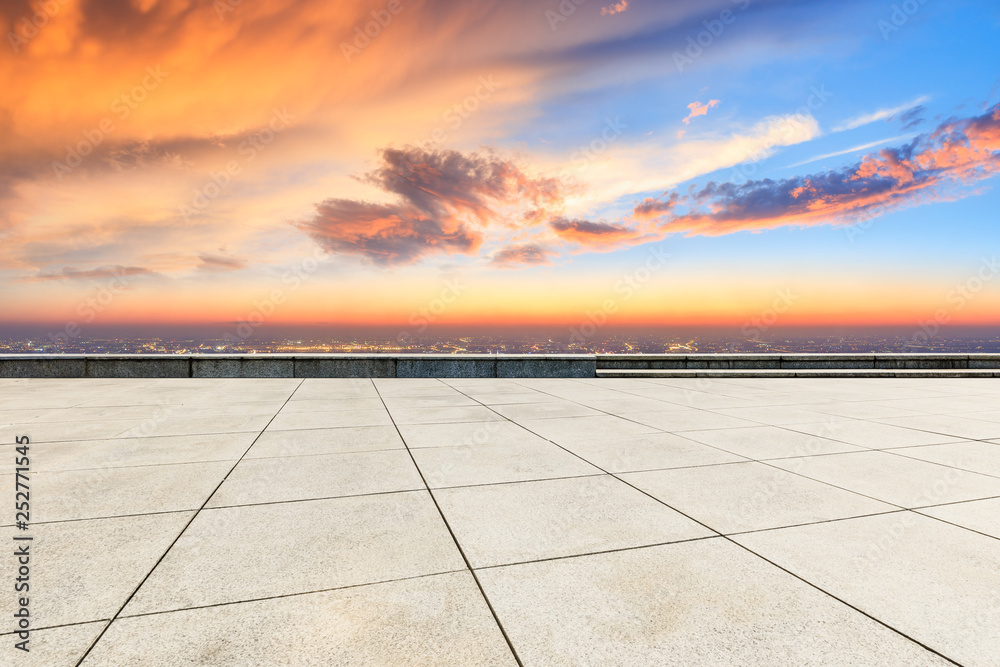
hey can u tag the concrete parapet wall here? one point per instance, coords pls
(479, 365)
(841, 362)
(297, 366)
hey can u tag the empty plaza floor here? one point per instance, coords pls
(541, 522)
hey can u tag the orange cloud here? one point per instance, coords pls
(592, 233)
(654, 208)
(616, 8)
(699, 109)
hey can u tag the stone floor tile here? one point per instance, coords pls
(468, 434)
(320, 476)
(435, 620)
(935, 582)
(107, 492)
(894, 479)
(648, 452)
(706, 602)
(85, 570)
(769, 442)
(509, 523)
(496, 464)
(306, 442)
(981, 515)
(738, 497)
(257, 551)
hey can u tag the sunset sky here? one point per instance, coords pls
(680, 163)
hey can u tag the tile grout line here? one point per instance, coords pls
(766, 462)
(770, 465)
(100, 635)
(748, 550)
(805, 406)
(678, 434)
(318, 591)
(107, 517)
(914, 510)
(59, 625)
(952, 523)
(943, 465)
(468, 565)
(903, 508)
(711, 411)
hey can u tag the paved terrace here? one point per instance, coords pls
(739, 521)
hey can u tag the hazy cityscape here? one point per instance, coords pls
(504, 344)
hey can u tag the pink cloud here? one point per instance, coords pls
(587, 233)
(699, 109)
(616, 8)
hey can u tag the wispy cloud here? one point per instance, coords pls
(70, 273)
(220, 263)
(853, 149)
(912, 117)
(881, 114)
(530, 254)
(626, 169)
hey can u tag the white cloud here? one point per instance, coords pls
(853, 149)
(631, 169)
(881, 114)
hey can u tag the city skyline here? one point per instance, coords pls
(410, 164)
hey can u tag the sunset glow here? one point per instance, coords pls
(348, 163)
